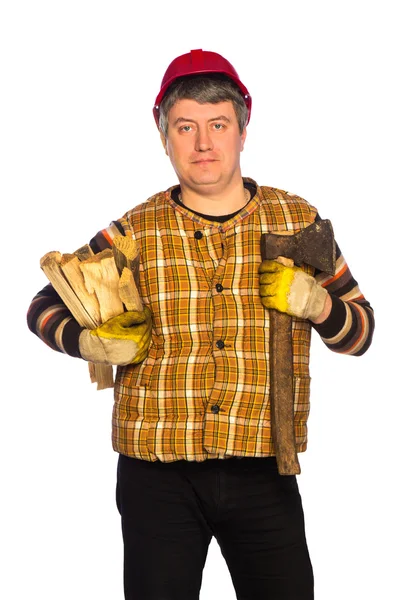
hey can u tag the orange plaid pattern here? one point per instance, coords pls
(203, 390)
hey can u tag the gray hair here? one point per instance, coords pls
(212, 88)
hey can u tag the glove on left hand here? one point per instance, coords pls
(122, 340)
(290, 290)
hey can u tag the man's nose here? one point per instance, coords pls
(203, 140)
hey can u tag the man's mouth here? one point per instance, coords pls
(205, 160)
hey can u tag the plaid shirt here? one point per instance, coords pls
(203, 390)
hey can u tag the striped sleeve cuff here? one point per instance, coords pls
(52, 322)
(348, 329)
(334, 323)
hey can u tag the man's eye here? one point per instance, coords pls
(218, 126)
(186, 128)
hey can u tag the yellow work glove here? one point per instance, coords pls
(290, 290)
(121, 340)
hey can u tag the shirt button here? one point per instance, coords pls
(198, 235)
(215, 409)
(220, 344)
(219, 287)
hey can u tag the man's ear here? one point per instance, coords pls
(243, 138)
(164, 142)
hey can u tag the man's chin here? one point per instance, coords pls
(206, 179)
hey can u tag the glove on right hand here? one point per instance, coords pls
(122, 340)
(290, 290)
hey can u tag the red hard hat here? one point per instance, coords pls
(194, 62)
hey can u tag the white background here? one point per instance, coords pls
(79, 147)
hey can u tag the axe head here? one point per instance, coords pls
(314, 245)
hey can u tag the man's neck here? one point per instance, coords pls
(214, 218)
(230, 200)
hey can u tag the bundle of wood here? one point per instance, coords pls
(95, 288)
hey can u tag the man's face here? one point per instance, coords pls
(204, 144)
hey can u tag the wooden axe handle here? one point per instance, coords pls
(282, 396)
(281, 389)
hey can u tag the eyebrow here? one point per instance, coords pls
(220, 118)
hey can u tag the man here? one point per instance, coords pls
(191, 418)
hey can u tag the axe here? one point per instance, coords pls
(315, 246)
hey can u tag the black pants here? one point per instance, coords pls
(171, 511)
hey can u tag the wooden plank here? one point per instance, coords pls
(70, 266)
(128, 291)
(101, 277)
(50, 263)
